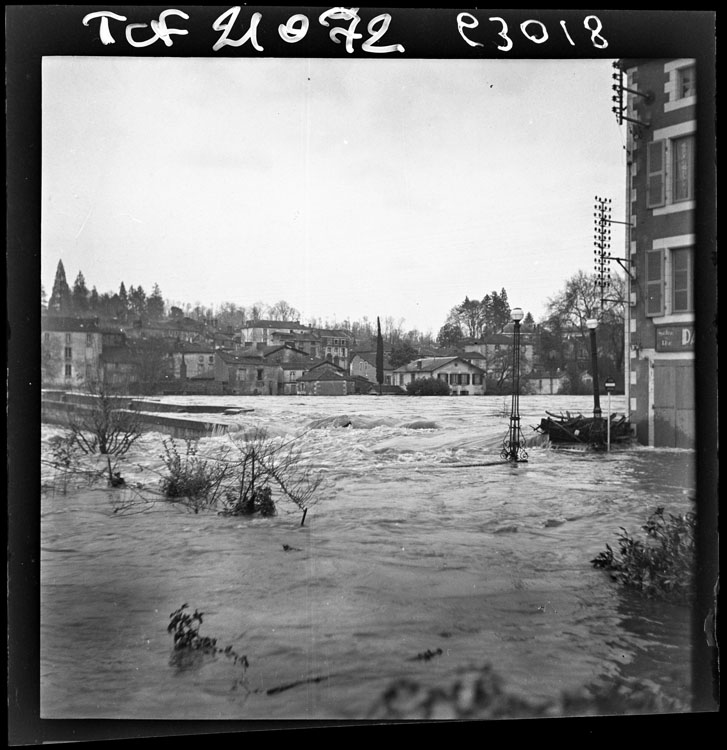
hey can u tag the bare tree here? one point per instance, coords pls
(565, 330)
(256, 311)
(102, 425)
(283, 311)
(242, 477)
(260, 463)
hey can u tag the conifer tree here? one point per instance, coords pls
(80, 294)
(137, 301)
(121, 303)
(60, 299)
(155, 304)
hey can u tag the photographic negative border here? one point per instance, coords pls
(33, 32)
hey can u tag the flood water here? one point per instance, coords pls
(410, 548)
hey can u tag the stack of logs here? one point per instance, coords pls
(587, 431)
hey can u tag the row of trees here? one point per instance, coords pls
(79, 301)
(474, 318)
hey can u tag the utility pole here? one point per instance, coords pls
(602, 243)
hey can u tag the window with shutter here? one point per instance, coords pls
(682, 276)
(655, 174)
(654, 283)
(683, 151)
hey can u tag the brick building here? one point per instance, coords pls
(660, 100)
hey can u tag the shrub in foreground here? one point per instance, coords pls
(239, 478)
(659, 565)
(189, 477)
(188, 643)
(481, 693)
(428, 387)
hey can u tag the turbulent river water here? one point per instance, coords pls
(410, 550)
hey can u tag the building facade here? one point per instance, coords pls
(246, 376)
(192, 360)
(318, 343)
(660, 99)
(463, 377)
(363, 364)
(70, 351)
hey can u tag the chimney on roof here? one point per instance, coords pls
(419, 364)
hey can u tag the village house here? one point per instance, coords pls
(119, 367)
(257, 333)
(308, 342)
(191, 360)
(335, 345)
(70, 351)
(293, 363)
(245, 375)
(318, 343)
(464, 378)
(542, 383)
(363, 364)
(328, 379)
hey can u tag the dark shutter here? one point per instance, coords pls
(655, 282)
(655, 174)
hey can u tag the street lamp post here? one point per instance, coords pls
(592, 323)
(609, 385)
(513, 448)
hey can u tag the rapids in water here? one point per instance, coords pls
(411, 548)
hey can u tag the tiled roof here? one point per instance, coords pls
(70, 325)
(326, 362)
(268, 350)
(236, 359)
(429, 364)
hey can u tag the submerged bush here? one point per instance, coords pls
(190, 478)
(662, 564)
(65, 460)
(259, 500)
(185, 629)
(428, 387)
(239, 478)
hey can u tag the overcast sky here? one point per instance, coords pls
(347, 187)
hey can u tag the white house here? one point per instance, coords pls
(463, 377)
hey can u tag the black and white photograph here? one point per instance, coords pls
(373, 375)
